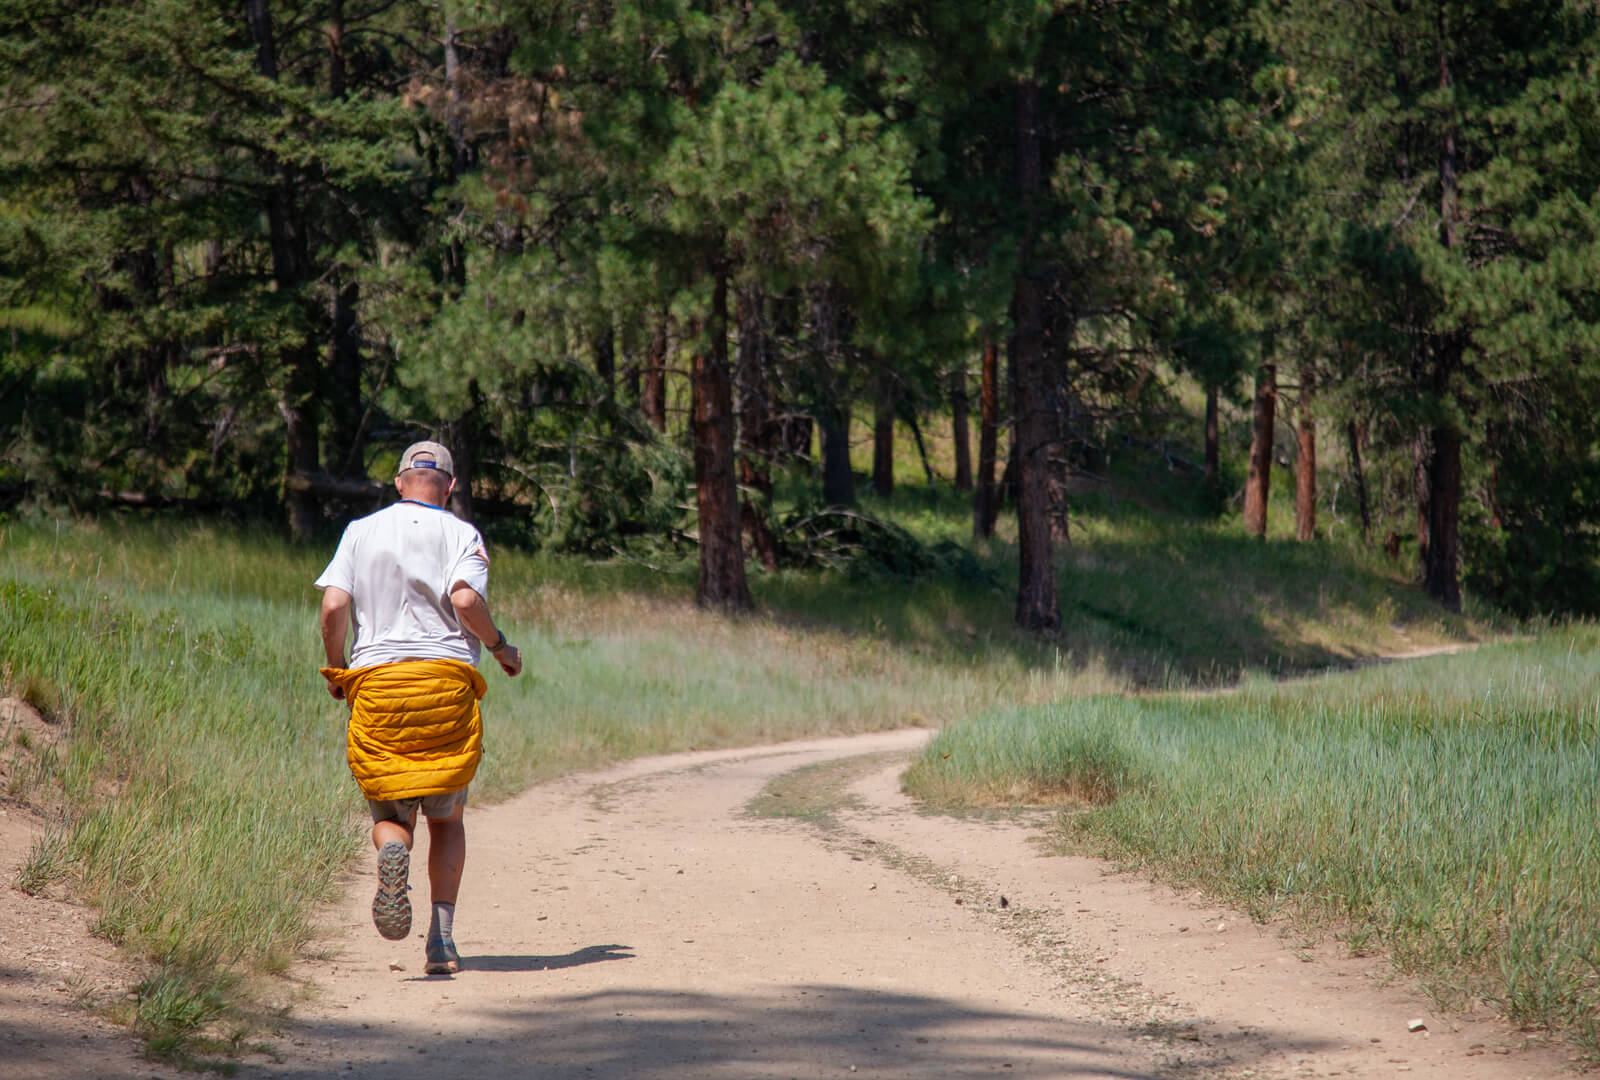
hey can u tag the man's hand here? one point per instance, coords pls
(509, 657)
(335, 690)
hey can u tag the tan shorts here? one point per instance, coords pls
(405, 810)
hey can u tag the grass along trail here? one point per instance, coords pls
(786, 912)
(109, 630)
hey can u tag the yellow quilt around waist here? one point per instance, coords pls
(414, 726)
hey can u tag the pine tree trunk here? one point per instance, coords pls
(1305, 471)
(838, 481)
(151, 362)
(1439, 572)
(883, 416)
(455, 254)
(1353, 436)
(961, 428)
(1007, 489)
(461, 435)
(1056, 417)
(922, 449)
(347, 438)
(1444, 475)
(1258, 485)
(985, 503)
(653, 384)
(722, 580)
(792, 428)
(298, 407)
(833, 409)
(462, 438)
(1422, 481)
(1037, 606)
(336, 54)
(1213, 433)
(1497, 517)
(290, 264)
(755, 433)
(346, 452)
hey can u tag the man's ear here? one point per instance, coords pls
(451, 489)
(397, 486)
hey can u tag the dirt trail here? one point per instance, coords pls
(640, 922)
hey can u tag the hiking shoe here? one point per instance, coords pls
(391, 905)
(442, 957)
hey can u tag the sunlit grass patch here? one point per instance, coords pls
(1444, 807)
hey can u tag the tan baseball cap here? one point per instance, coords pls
(426, 455)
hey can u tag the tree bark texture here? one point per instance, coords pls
(1037, 605)
(883, 416)
(985, 502)
(961, 427)
(1258, 485)
(722, 580)
(1305, 465)
(756, 433)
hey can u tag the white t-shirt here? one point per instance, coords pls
(399, 566)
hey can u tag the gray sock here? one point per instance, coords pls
(444, 917)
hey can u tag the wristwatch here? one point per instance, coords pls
(497, 646)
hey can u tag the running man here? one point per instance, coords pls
(415, 578)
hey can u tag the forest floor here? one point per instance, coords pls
(783, 912)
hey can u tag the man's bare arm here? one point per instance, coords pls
(335, 628)
(473, 611)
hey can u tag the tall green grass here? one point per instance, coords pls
(207, 805)
(1442, 808)
(208, 808)
(204, 817)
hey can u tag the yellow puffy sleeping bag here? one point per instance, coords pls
(414, 726)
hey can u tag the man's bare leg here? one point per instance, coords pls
(447, 855)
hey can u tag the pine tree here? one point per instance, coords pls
(161, 138)
(1439, 110)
